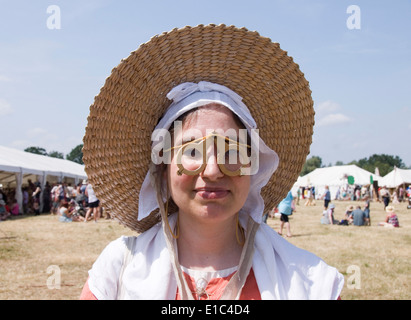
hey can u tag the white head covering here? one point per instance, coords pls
(188, 96)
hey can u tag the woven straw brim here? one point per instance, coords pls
(117, 143)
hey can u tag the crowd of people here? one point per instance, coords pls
(69, 203)
(356, 215)
(357, 193)
(353, 215)
(8, 204)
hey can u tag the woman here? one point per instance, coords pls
(327, 197)
(36, 199)
(4, 213)
(93, 204)
(285, 208)
(328, 216)
(66, 213)
(199, 192)
(385, 195)
(391, 221)
(348, 214)
(367, 213)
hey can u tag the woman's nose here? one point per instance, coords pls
(212, 170)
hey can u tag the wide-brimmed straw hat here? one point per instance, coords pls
(117, 143)
(390, 209)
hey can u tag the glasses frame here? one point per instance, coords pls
(232, 144)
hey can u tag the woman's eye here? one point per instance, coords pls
(192, 152)
(232, 156)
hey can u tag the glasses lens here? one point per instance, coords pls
(232, 158)
(192, 156)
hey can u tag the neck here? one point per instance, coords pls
(208, 246)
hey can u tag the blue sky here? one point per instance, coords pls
(360, 78)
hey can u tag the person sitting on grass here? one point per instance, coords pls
(358, 216)
(328, 215)
(4, 213)
(67, 215)
(391, 221)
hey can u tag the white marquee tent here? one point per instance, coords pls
(334, 177)
(16, 167)
(396, 178)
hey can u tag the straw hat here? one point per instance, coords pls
(117, 143)
(389, 209)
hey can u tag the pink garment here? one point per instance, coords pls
(15, 209)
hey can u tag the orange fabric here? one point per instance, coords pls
(86, 293)
(216, 287)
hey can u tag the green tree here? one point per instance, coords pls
(56, 154)
(36, 150)
(384, 162)
(76, 154)
(311, 164)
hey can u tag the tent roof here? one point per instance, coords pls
(12, 160)
(396, 178)
(334, 176)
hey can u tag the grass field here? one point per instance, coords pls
(36, 251)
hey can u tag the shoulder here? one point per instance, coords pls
(104, 274)
(300, 273)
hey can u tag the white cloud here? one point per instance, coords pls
(327, 115)
(327, 106)
(5, 108)
(333, 119)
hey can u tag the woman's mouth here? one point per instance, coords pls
(211, 194)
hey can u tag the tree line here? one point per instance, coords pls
(75, 155)
(384, 162)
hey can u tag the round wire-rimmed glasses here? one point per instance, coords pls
(231, 155)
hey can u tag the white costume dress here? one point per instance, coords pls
(282, 270)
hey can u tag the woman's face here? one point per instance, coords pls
(209, 196)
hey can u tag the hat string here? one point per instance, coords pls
(234, 287)
(183, 288)
(177, 235)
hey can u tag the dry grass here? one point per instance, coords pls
(381, 257)
(30, 245)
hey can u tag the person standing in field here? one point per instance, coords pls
(327, 197)
(285, 208)
(93, 204)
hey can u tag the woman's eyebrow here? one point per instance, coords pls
(188, 139)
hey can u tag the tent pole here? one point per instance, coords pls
(19, 193)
